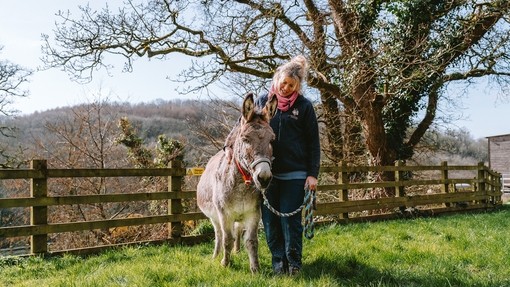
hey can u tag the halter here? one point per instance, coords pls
(244, 173)
(248, 179)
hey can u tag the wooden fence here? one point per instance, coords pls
(342, 196)
(439, 193)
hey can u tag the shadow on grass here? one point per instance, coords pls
(346, 270)
(350, 271)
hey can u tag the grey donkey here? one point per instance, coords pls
(228, 192)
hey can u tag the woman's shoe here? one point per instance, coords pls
(294, 271)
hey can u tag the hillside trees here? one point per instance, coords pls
(86, 137)
(381, 67)
(83, 138)
(12, 78)
(453, 146)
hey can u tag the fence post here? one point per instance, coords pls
(344, 193)
(498, 184)
(444, 178)
(481, 180)
(175, 205)
(39, 214)
(493, 200)
(400, 191)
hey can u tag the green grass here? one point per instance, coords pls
(457, 250)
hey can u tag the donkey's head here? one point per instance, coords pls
(252, 149)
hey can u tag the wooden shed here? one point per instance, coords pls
(499, 157)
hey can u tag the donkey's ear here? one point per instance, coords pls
(271, 106)
(248, 106)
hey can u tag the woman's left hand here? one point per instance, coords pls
(311, 183)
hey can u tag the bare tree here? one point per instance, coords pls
(381, 67)
(86, 138)
(12, 78)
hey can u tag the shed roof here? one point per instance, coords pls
(505, 137)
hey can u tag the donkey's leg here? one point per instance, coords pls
(218, 238)
(251, 242)
(238, 231)
(227, 228)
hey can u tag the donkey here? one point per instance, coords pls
(228, 190)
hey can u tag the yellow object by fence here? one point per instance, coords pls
(194, 171)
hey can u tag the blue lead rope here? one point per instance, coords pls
(309, 204)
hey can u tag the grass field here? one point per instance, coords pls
(456, 250)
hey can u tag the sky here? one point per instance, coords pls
(21, 30)
(484, 112)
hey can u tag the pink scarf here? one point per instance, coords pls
(284, 103)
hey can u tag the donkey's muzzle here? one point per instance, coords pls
(262, 172)
(264, 181)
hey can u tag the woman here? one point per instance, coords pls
(296, 152)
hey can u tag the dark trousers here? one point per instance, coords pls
(284, 235)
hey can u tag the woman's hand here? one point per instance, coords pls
(311, 183)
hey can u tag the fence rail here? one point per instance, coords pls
(505, 179)
(481, 191)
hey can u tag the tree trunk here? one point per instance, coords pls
(333, 122)
(354, 147)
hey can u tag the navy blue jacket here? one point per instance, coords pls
(297, 144)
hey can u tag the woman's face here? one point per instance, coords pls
(287, 86)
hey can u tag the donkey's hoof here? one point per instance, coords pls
(225, 262)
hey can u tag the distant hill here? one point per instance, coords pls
(202, 127)
(199, 124)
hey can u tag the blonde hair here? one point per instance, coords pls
(296, 68)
